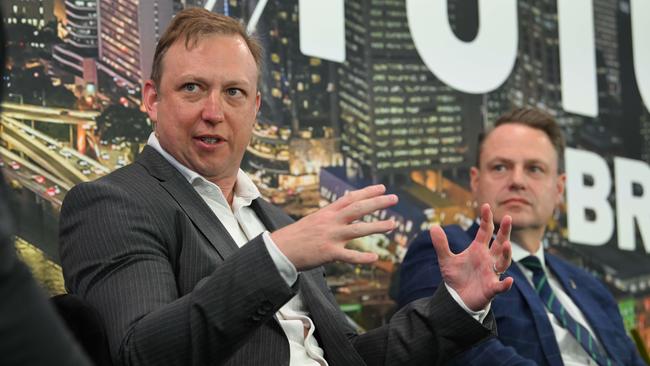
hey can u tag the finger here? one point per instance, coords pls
(440, 244)
(361, 229)
(502, 255)
(503, 285)
(504, 229)
(355, 257)
(360, 194)
(501, 248)
(358, 209)
(486, 229)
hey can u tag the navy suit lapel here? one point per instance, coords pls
(189, 200)
(471, 232)
(543, 326)
(592, 310)
(538, 311)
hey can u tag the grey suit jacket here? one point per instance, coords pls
(174, 289)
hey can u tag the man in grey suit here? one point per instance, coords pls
(187, 264)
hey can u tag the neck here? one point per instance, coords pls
(528, 238)
(227, 186)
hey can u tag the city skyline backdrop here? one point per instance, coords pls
(72, 113)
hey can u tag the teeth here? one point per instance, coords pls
(210, 140)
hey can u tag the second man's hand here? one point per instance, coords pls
(320, 238)
(475, 273)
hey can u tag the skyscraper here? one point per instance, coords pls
(635, 124)
(79, 53)
(129, 31)
(33, 12)
(396, 116)
(535, 80)
(298, 110)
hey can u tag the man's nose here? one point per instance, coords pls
(213, 108)
(517, 178)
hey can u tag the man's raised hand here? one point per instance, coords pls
(320, 238)
(475, 273)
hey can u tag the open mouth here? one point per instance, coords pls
(210, 140)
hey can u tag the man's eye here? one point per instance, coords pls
(233, 92)
(536, 169)
(499, 168)
(190, 87)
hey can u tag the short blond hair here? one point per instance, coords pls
(192, 23)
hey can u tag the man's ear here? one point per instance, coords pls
(150, 100)
(561, 183)
(474, 174)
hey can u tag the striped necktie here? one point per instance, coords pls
(540, 281)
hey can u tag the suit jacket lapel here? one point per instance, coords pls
(538, 311)
(590, 309)
(189, 200)
(472, 230)
(265, 212)
(338, 350)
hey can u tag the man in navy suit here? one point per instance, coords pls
(519, 173)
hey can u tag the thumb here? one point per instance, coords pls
(503, 286)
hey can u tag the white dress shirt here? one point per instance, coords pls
(571, 350)
(243, 225)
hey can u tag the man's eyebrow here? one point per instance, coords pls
(502, 159)
(191, 77)
(536, 161)
(499, 159)
(237, 82)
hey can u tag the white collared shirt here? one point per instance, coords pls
(243, 225)
(571, 350)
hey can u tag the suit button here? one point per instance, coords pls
(261, 312)
(256, 318)
(267, 306)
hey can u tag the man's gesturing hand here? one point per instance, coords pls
(475, 273)
(320, 237)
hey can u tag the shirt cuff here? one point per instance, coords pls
(282, 263)
(478, 315)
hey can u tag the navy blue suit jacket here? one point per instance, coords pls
(525, 332)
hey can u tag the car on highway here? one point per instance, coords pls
(85, 171)
(38, 179)
(120, 162)
(14, 165)
(82, 162)
(53, 191)
(65, 153)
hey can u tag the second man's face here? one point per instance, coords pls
(518, 176)
(206, 104)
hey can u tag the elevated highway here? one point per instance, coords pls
(65, 164)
